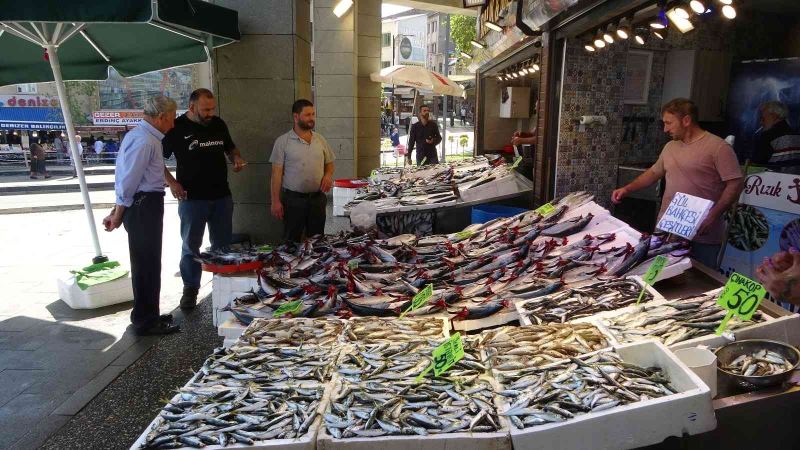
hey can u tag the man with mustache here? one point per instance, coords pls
(425, 136)
(201, 143)
(697, 163)
(302, 172)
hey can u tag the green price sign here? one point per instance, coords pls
(352, 264)
(652, 273)
(545, 210)
(264, 248)
(420, 299)
(464, 235)
(374, 173)
(424, 160)
(740, 296)
(517, 160)
(288, 308)
(444, 356)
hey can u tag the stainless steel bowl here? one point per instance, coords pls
(731, 351)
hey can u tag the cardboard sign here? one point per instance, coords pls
(652, 273)
(545, 210)
(684, 215)
(420, 299)
(444, 356)
(288, 308)
(741, 296)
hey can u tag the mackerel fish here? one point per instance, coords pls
(265, 364)
(370, 330)
(293, 332)
(559, 392)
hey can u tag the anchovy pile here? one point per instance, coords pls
(270, 364)
(438, 406)
(672, 322)
(373, 330)
(583, 301)
(515, 348)
(293, 332)
(759, 364)
(556, 393)
(207, 413)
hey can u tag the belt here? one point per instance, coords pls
(141, 194)
(300, 194)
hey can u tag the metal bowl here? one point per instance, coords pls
(731, 351)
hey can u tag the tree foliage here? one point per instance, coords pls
(462, 30)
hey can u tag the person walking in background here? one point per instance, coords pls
(201, 142)
(302, 172)
(463, 114)
(139, 189)
(38, 161)
(99, 148)
(425, 136)
(58, 145)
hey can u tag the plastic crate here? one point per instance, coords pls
(485, 213)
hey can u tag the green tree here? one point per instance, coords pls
(451, 139)
(462, 30)
(82, 99)
(463, 140)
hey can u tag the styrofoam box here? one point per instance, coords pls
(638, 424)
(443, 317)
(338, 211)
(497, 188)
(501, 318)
(227, 287)
(231, 329)
(228, 343)
(97, 296)
(462, 441)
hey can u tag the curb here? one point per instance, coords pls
(51, 208)
(54, 188)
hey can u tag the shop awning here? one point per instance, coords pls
(31, 118)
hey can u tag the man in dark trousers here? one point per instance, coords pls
(201, 142)
(425, 136)
(302, 172)
(139, 189)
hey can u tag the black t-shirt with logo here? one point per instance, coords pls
(200, 152)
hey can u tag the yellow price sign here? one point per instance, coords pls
(420, 299)
(545, 210)
(444, 356)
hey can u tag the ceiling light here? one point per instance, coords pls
(639, 39)
(466, 55)
(726, 2)
(477, 44)
(729, 12)
(522, 72)
(598, 40)
(589, 47)
(697, 6)
(493, 26)
(607, 35)
(500, 77)
(14, 133)
(63, 135)
(682, 24)
(536, 67)
(681, 12)
(624, 28)
(658, 35)
(660, 21)
(342, 7)
(35, 134)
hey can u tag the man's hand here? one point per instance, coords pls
(238, 163)
(429, 141)
(112, 221)
(326, 184)
(781, 284)
(177, 190)
(618, 195)
(277, 209)
(707, 224)
(516, 134)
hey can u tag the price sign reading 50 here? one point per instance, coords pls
(741, 297)
(447, 354)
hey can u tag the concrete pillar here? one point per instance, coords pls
(256, 81)
(346, 50)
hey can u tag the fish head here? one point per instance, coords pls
(506, 303)
(461, 315)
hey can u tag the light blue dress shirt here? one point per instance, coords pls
(140, 164)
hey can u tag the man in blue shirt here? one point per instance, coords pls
(139, 188)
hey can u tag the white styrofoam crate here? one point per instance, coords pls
(227, 287)
(500, 318)
(228, 343)
(219, 316)
(231, 329)
(338, 211)
(690, 411)
(97, 296)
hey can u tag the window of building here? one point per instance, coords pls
(387, 40)
(27, 88)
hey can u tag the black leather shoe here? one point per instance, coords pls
(189, 298)
(166, 318)
(159, 328)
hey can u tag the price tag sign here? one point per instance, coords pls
(464, 234)
(288, 308)
(424, 160)
(444, 356)
(740, 296)
(545, 210)
(352, 264)
(264, 248)
(652, 273)
(517, 160)
(420, 300)
(374, 173)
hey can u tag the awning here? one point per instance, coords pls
(31, 118)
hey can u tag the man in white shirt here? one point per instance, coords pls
(99, 147)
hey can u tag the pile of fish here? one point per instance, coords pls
(673, 322)
(293, 332)
(437, 406)
(559, 392)
(759, 364)
(269, 364)
(584, 301)
(475, 273)
(375, 330)
(516, 348)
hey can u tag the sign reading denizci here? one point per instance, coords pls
(684, 215)
(23, 100)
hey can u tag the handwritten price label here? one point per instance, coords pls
(264, 248)
(652, 273)
(444, 356)
(288, 308)
(420, 300)
(464, 235)
(741, 297)
(545, 210)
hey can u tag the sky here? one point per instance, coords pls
(388, 9)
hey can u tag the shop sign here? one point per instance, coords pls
(405, 48)
(120, 117)
(32, 126)
(27, 100)
(778, 191)
(684, 215)
(536, 13)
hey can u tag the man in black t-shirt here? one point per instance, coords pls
(201, 142)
